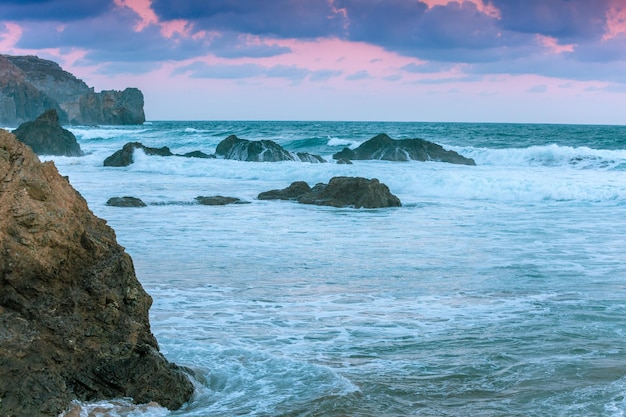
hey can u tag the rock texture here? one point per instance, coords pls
(30, 85)
(47, 137)
(383, 147)
(73, 316)
(124, 156)
(125, 202)
(260, 151)
(357, 192)
(218, 200)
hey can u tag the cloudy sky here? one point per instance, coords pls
(555, 61)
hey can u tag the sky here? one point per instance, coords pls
(529, 61)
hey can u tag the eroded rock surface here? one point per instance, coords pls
(357, 192)
(260, 151)
(73, 316)
(47, 137)
(385, 148)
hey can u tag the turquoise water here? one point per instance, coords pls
(496, 290)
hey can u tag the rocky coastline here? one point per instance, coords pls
(30, 85)
(74, 319)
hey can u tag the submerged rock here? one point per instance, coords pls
(47, 137)
(218, 200)
(124, 156)
(354, 192)
(260, 151)
(74, 321)
(125, 202)
(383, 147)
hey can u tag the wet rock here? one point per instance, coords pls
(385, 148)
(74, 321)
(357, 192)
(260, 151)
(197, 154)
(218, 200)
(125, 202)
(47, 137)
(124, 156)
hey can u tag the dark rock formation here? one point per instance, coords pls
(46, 136)
(293, 192)
(197, 154)
(218, 200)
(30, 85)
(385, 148)
(354, 192)
(110, 107)
(125, 202)
(73, 317)
(124, 156)
(260, 151)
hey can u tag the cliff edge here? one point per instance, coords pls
(30, 85)
(73, 316)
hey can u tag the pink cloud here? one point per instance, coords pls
(9, 38)
(484, 7)
(615, 20)
(553, 46)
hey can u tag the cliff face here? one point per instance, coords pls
(30, 85)
(73, 316)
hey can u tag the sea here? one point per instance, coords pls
(495, 290)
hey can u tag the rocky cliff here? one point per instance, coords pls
(73, 316)
(30, 85)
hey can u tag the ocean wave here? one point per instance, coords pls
(548, 156)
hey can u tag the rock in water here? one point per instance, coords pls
(260, 151)
(354, 192)
(383, 147)
(47, 137)
(73, 316)
(124, 156)
(125, 201)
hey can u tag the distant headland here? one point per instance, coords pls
(30, 85)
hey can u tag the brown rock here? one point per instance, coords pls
(73, 316)
(357, 192)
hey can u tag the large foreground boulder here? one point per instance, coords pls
(383, 147)
(47, 137)
(73, 316)
(260, 151)
(354, 192)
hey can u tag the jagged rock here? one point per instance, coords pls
(110, 107)
(29, 85)
(46, 136)
(218, 200)
(125, 202)
(383, 147)
(354, 192)
(293, 192)
(124, 156)
(20, 100)
(343, 161)
(74, 321)
(260, 151)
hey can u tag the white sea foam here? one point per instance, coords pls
(495, 287)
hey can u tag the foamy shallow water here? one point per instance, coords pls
(495, 290)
